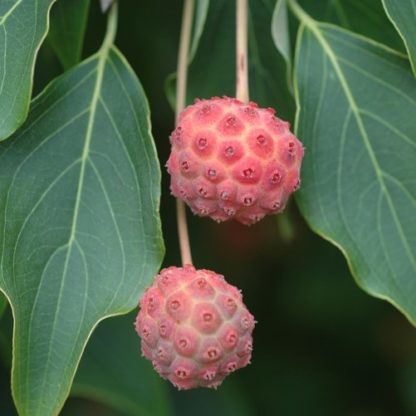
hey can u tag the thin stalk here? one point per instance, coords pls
(242, 90)
(182, 74)
(184, 42)
(111, 26)
(300, 13)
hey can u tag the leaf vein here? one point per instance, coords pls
(117, 229)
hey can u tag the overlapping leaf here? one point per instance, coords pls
(366, 17)
(23, 25)
(280, 30)
(403, 15)
(67, 29)
(79, 227)
(356, 106)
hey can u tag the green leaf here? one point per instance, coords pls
(205, 80)
(281, 36)
(403, 16)
(67, 30)
(366, 17)
(356, 105)
(201, 11)
(268, 85)
(116, 374)
(80, 234)
(23, 26)
(280, 30)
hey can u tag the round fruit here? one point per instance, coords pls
(233, 160)
(194, 327)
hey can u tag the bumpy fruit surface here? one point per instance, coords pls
(232, 160)
(194, 327)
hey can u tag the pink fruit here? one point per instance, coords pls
(233, 160)
(194, 327)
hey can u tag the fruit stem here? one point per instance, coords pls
(184, 244)
(242, 90)
(182, 71)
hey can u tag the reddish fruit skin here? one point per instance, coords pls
(231, 160)
(194, 327)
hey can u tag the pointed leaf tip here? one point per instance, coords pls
(105, 4)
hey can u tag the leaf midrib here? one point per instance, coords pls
(102, 57)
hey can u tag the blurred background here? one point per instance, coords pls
(321, 345)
